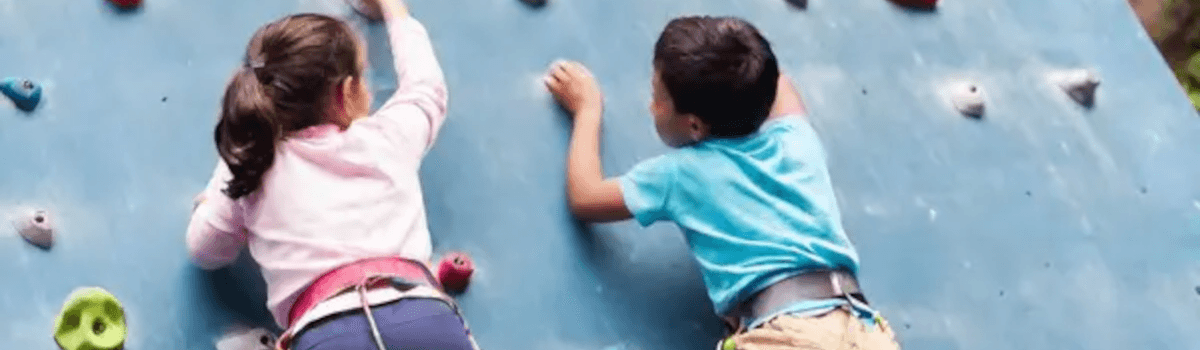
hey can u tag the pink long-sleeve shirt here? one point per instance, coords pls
(334, 196)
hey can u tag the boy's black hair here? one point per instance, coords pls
(720, 69)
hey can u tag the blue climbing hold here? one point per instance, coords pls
(24, 92)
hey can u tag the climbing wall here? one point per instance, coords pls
(1040, 224)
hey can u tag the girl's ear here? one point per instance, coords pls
(344, 91)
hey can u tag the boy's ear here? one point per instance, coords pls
(697, 129)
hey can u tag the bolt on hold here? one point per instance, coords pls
(967, 98)
(36, 228)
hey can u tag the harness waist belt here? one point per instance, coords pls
(813, 285)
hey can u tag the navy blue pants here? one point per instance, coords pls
(425, 324)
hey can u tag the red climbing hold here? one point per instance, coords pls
(924, 4)
(455, 271)
(126, 3)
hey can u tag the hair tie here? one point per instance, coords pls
(256, 67)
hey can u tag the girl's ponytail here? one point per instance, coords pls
(292, 66)
(247, 132)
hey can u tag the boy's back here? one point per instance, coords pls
(754, 210)
(748, 185)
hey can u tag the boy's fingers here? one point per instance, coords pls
(561, 75)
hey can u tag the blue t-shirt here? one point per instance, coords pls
(754, 210)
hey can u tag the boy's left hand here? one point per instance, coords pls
(574, 88)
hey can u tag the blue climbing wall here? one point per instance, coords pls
(1042, 225)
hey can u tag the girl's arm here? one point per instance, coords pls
(419, 104)
(215, 234)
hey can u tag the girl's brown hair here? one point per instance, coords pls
(290, 69)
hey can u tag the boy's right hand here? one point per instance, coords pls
(575, 88)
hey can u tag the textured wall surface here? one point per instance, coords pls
(1043, 225)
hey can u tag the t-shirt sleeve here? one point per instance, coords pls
(799, 135)
(216, 233)
(647, 189)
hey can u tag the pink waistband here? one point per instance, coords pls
(355, 273)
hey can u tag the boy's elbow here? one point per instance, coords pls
(596, 207)
(578, 206)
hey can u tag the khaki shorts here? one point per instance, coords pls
(835, 330)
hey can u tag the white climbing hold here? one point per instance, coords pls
(36, 227)
(245, 338)
(1079, 84)
(967, 98)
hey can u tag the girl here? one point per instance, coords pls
(326, 198)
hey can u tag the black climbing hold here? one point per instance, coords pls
(800, 4)
(1001, 292)
(1143, 189)
(24, 93)
(535, 3)
(164, 99)
(265, 340)
(907, 326)
(1197, 289)
(1028, 194)
(864, 91)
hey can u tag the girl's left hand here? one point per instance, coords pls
(199, 199)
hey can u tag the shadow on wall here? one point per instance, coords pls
(241, 289)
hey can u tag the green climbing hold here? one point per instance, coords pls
(91, 319)
(1195, 97)
(728, 344)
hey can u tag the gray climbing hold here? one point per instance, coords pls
(1079, 84)
(35, 227)
(967, 98)
(244, 338)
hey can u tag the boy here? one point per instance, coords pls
(755, 204)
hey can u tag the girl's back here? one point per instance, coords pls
(305, 181)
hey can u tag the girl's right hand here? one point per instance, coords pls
(376, 10)
(574, 88)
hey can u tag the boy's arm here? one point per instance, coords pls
(787, 100)
(215, 234)
(420, 101)
(591, 196)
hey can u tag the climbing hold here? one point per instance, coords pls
(535, 3)
(455, 271)
(91, 319)
(24, 93)
(1079, 84)
(800, 4)
(369, 9)
(920, 4)
(36, 227)
(126, 4)
(728, 344)
(968, 99)
(245, 338)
